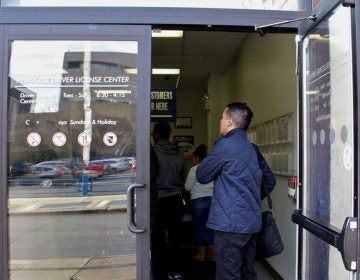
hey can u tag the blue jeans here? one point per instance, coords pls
(200, 208)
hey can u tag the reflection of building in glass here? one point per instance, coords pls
(17, 95)
(113, 109)
(22, 95)
(113, 93)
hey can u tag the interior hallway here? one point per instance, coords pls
(206, 271)
(194, 270)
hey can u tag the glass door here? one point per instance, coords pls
(77, 152)
(327, 207)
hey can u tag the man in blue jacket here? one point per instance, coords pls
(235, 212)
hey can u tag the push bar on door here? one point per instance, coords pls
(131, 208)
(345, 241)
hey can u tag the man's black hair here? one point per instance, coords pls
(240, 113)
(163, 129)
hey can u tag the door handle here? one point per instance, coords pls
(345, 241)
(131, 224)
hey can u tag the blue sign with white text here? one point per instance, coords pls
(163, 104)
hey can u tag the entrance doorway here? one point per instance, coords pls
(254, 69)
(219, 67)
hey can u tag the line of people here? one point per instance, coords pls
(225, 194)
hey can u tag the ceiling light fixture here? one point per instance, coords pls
(156, 71)
(161, 71)
(158, 33)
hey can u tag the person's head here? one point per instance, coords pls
(235, 115)
(161, 131)
(199, 153)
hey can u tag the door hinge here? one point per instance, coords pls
(348, 3)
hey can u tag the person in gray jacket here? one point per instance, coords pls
(169, 184)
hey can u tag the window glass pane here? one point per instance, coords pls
(288, 5)
(315, 3)
(72, 106)
(329, 120)
(328, 138)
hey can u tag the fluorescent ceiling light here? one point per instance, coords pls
(156, 71)
(158, 33)
(159, 71)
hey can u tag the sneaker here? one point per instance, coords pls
(175, 276)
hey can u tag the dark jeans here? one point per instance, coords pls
(200, 209)
(166, 237)
(235, 256)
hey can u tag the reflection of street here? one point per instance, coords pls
(77, 246)
(70, 235)
(35, 187)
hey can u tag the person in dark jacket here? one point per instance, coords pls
(169, 185)
(235, 213)
(154, 219)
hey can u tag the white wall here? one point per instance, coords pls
(218, 100)
(195, 108)
(262, 75)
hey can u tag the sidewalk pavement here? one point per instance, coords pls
(95, 268)
(57, 205)
(88, 268)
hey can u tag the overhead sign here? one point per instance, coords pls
(163, 104)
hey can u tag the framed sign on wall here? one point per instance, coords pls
(183, 122)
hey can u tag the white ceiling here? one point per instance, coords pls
(198, 54)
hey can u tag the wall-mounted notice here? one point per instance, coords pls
(275, 140)
(163, 104)
(185, 143)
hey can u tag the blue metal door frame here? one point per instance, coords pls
(322, 11)
(139, 33)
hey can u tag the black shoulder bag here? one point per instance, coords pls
(269, 242)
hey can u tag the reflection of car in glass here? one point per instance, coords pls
(94, 169)
(114, 164)
(131, 161)
(43, 182)
(46, 171)
(52, 163)
(133, 165)
(42, 175)
(19, 169)
(62, 165)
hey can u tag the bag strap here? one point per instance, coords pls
(263, 183)
(265, 186)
